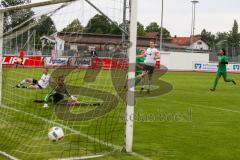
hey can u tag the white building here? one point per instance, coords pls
(199, 45)
(195, 43)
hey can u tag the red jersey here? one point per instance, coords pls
(21, 53)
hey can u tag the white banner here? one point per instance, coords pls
(49, 61)
(71, 61)
(212, 67)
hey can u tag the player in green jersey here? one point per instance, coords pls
(222, 69)
(139, 75)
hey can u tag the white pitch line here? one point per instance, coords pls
(8, 156)
(74, 131)
(139, 156)
(202, 106)
(78, 158)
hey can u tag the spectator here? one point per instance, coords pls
(93, 52)
(19, 61)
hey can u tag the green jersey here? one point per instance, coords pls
(139, 60)
(222, 66)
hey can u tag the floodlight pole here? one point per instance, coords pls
(1, 54)
(194, 2)
(161, 34)
(131, 76)
(124, 19)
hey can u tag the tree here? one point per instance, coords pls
(234, 40)
(74, 26)
(234, 37)
(44, 27)
(220, 36)
(14, 18)
(140, 29)
(98, 24)
(115, 29)
(166, 33)
(154, 27)
(208, 37)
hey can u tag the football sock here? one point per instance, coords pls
(22, 83)
(215, 84)
(149, 84)
(229, 80)
(137, 81)
(142, 82)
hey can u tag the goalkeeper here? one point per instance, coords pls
(222, 70)
(57, 94)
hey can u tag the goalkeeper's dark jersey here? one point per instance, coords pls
(57, 94)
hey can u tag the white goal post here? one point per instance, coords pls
(131, 76)
(132, 60)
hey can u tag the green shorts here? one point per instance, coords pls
(222, 73)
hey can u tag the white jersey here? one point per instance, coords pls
(44, 81)
(150, 55)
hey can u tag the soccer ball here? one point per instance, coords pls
(45, 106)
(55, 134)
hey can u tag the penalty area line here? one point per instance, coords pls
(73, 131)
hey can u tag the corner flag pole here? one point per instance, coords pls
(131, 76)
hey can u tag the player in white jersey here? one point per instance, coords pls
(36, 84)
(151, 54)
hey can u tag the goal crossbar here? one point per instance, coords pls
(32, 5)
(51, 2)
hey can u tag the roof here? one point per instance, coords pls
(184, 41)
(98, 39)
(151, 34)
(50, 38)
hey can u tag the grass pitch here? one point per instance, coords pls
(188, 123)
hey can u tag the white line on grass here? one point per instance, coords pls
(74, 131)
(203, 106)
(79, 158)
(8, 156)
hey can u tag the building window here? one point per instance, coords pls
(199, 43)
(73, 47)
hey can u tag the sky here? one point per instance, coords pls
(213, 15)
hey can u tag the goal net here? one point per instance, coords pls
(64, 65)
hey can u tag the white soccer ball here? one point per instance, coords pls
(55, 134)
(45, 106)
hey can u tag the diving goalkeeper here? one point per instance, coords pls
(58, 94)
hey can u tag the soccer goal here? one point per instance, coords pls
(63, 81)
